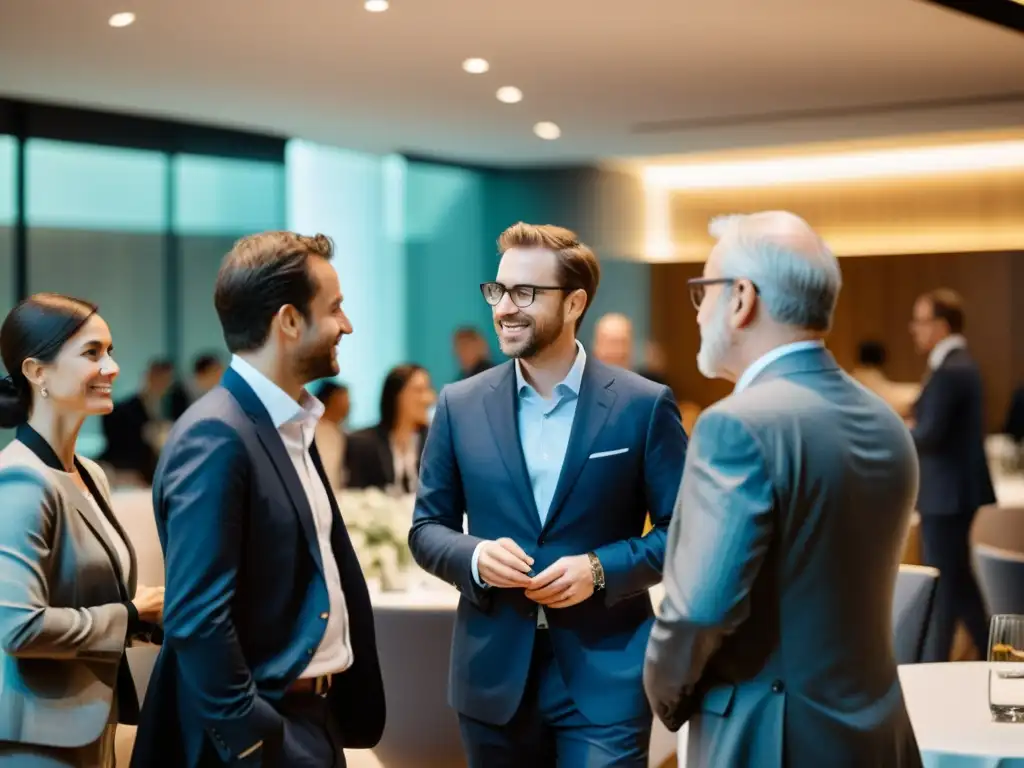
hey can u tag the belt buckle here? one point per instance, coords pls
(321, 685)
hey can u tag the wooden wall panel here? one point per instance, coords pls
(875, 303)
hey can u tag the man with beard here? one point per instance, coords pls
(775, 635)
(555, 458)
(269, 655)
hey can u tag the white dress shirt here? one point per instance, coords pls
(296, 424)
(941, 350)
(331, 442)
(406, 464)
(758, 366)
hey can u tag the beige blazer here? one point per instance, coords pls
(63, 626)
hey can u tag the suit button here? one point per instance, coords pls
(540, 540)
(778, 686)
(324, 615)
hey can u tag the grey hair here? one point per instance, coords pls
(797, 276)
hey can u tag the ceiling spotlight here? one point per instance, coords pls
(476, 66)
(509, 94)
(376, 6)
(124, 19)
(547, 131)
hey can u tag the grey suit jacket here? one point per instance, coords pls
(775, 637)
(63, 625)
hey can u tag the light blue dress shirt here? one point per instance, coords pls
(544, 428)
(770, 357)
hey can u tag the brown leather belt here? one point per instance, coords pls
(317, 685)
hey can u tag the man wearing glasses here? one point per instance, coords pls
(775, 636)
(555, 459)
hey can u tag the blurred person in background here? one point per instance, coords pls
(472, 352)
(331, 438)
(949, 431)
(613, 340)
(870, 371)
(387, 455)
(206, 372)
(613, 345)
(135, 429)
(69, 604)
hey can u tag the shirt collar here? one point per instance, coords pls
(572, 381)
(758, 366)
(280, 406)
(941, 350)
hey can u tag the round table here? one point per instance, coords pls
(948, 707)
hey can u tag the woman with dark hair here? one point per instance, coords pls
(68, 599)
(387, 456)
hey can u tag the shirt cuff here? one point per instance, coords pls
(476, 568)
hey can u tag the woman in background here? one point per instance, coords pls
(387, 456)
(68, 600)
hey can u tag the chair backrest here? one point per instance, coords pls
(999, 527)
(912, 611)
(1001, 578)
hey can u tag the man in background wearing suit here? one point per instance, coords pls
(555, 458)
(775, 636)
(269, 657)
(949, 431)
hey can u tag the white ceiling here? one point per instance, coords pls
(329, 71)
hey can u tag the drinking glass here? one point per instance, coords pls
(1006, 669)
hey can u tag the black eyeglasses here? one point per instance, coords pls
(698, 287)
(522, 295)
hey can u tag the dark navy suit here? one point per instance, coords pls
(246, 597)
(624, 457)
(950, 437)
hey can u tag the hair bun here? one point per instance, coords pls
(14, 404)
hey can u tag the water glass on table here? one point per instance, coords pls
(1006, 669)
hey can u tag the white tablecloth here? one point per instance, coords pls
(948, 706)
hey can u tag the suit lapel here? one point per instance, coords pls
(592, 409)
(101, 501)
(500, 407)
(44, 452)
(274, 446)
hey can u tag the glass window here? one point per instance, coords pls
(216, 201)
(8, 216)
(82, 186)
(96, 220)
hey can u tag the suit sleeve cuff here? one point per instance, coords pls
(135, 625)
(476, 567)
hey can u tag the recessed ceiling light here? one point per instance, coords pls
(547, 131)
(509, 94)
(476, 66)
(125, 19)
(376, 6)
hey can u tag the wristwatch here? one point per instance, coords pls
(597, 571)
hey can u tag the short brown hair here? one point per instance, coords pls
(947, 305)
(261, 274)
(578, 268)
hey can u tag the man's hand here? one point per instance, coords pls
(503, 563)
(566, 582)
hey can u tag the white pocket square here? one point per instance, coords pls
(603, 454)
